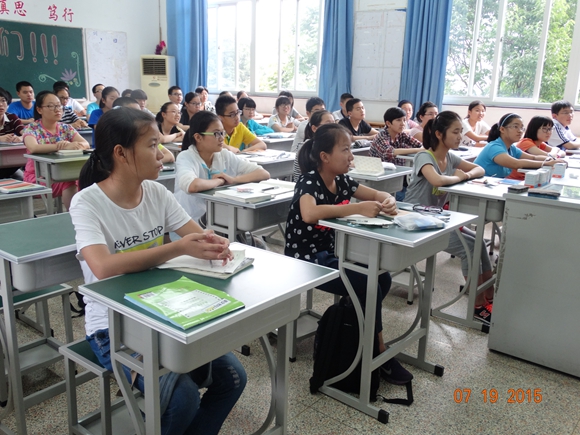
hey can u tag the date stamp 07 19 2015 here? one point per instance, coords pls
(519, 395)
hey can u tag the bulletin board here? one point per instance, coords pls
(107, 58)
(41, 55)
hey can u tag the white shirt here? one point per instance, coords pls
(299, 138)
(560, 135)
(481, 128)
(99, 221)
(189, 166)
(75, 105)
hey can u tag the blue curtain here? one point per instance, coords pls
(187, 41)
(425, 52)
(336, 59)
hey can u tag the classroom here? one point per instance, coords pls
(516, 374)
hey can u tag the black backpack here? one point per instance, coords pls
(335, 347)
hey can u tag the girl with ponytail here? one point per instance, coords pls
(437, 167)
(323, 191)
(120, 218)
(500, 156)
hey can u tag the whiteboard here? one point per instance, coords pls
(106, 54)
(378, 54)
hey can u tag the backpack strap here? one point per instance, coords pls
(406, 402)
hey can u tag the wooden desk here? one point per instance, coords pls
(230, 217)
(270, 290)
(383, 250)
(390, 181)
(487, 203)
(34, 254)
(12, 154)
(535, 310)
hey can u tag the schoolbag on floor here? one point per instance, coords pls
(335, 347)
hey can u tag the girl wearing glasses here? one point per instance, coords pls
(437, 167)
(248, 108)
(537, 134)
(167, 122)
(204, 163)
(500, 156)
(282, 121)
(47, 135)
(427, 111)
(119, 201)
(191, 107)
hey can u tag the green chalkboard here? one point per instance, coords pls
(41, 55)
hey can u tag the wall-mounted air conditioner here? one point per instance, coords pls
(157, 76)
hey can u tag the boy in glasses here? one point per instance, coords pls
(238, 137)
(562, 137)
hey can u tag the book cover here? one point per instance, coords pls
(212, 268)
(70, 152)
(367, 166)
(184, 302)
(10, 185)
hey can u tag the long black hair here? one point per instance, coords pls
(106, 91)
(504, 121)
(122, 126)
(423, 110)
(535, 124)
(314, 121)
(441, 123)
(198, 123)
(323, 141)
(40, 97)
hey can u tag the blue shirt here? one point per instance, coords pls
(19, 110)
(93, 119)
(490, 151)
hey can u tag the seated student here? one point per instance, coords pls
(282, 121)
(437, 167)
(427, 111)
(168, 156)
(204, 163)
(355, 122)
(407, 106)
(323, 191)
(192, 105)
(108, 97)
(238, 137)
(71, 103)
(68, 114)
(141, 97)
(223, 93)
(500, 155)
(314, 104)
(205, 102)
(562, 137)
(475, 129)
(318, 118)
(48, 135)
(392, 141)
(248, 108)
(10, 129)
(537, 134)
(97, 89)
(243, 94)
(339, 114)
(118, 200)
(24, 108)
(175, 95)
(167, 122)
(293, 112)
(126, 93)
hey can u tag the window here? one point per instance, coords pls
(264, 46)
(513, 51)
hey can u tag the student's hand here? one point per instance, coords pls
(7, 137)
(555, 153)
(206, 246)
(179, 137)
(215, 177)
(370, 208)
(63, 145)
(232, 149)
(226, 254)
(389, 206)
(461, 174)
(227, 179)
(553, 162)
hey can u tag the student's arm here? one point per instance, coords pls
(256, 175)
(256, 145)
(465, 171)
(525, 161)
(168, 138)
(405, 151)
(232, 149)
(78, 143)
(277, 127)
(27, 121)
(365, 193)
(419, 136)
(476, 137)
(312, 213)
(168, 156)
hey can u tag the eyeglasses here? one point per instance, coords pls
(249, 109)
(518, 127)
(216, 134)
(54, 107)
(63, 98)
(284, 105)
(567, 112)
(178, 94)
(431, 209)
(233, 114)
(547, 129)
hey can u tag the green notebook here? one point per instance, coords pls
(184, 302)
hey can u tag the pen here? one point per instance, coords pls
(268, 188)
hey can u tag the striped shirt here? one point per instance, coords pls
(11, 124)
(68, 116)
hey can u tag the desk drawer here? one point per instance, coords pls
(16, 209)
(394, 257)
(69, 171)
(252, 219)
(470, 205)
(181, 358)
(391, 185)
(10, 158)
(46, 272)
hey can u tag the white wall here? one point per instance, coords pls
(138, 18)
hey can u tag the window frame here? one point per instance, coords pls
(216, 4)
(572, 86)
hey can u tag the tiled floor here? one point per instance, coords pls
(469, 365)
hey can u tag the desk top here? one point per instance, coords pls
(167, 175)
(45, 191)
(395, 235)
(56, 158)
(271, 279)
(489, 191)
(268, 156)
(34, 239)
(571, 178)
(288, 138)
(399, 171)
(208, 196)
(7, 146)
